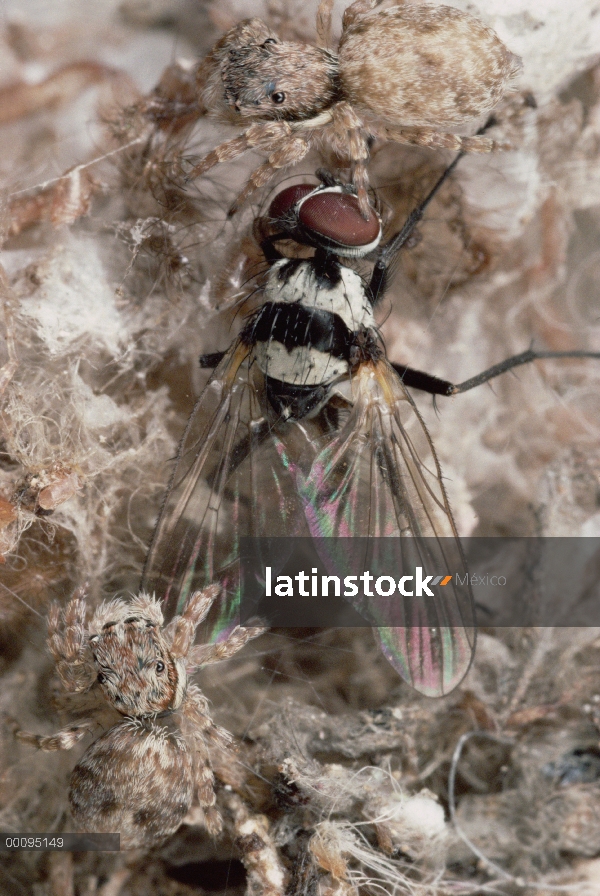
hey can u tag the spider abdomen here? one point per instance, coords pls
(137, 780)
(424, 66)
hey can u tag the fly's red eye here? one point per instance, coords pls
(287, 199)
(337, 218)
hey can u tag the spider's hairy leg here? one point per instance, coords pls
(346, 135)
(358, 9)
(65, 739)
(324, 24)
(421, 136)
(291, 150)
(67, 642)
(360, 178)
(183, 628)
(202, 729)
(204, 654)
(224, 152)
(263, 136)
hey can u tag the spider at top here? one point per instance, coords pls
(404, 73)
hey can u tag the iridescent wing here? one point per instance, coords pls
(231, 479)
(240, 473)
(379, 479)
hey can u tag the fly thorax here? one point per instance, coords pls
(305, 332)
(340, 290)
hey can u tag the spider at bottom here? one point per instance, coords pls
(141, 776)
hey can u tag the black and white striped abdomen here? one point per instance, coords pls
(303, 333)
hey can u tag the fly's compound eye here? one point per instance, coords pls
(160, 667)
(285, 201)
(278, 97)
(334, 220)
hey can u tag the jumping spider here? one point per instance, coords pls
(139, 778)
(401, 74)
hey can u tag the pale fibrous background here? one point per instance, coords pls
(113, 285)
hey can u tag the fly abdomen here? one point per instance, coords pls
(296, 326)
(292, 401)
(299, 346)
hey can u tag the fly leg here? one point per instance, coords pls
(387, 253)
(426, 382)
(516, 361)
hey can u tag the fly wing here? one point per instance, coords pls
(380, 478)
(232, 478)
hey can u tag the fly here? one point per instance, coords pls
(306, 429)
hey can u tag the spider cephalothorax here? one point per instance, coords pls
(136, 671)
(266, 78)
(404, 73)
(141, 776)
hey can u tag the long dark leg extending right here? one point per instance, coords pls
(426, 382)
(516, 361)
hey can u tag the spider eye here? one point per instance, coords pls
(101, 678)
(269, 40)
(278, 98)
(160, 666)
